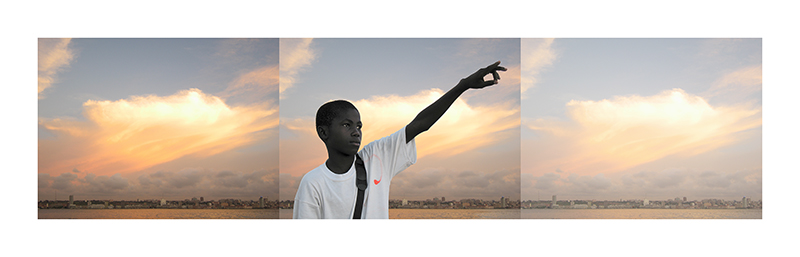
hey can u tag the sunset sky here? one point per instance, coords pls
(602, 119)
(611, 119)
(157, 118)
(471, 152)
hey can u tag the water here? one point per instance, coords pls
(454, 214)
(440, 214)
(408, 214)
(158, 214)
(641, 214)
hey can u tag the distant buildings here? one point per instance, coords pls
(262, 203)
(674, 203)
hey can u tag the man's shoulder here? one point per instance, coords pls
(395, 138)
(313, 177)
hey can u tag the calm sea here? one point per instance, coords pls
(641, 214)
(408, 214)
(440, 214)
(567, 214)
(158, 214)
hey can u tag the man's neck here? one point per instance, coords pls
(339, 164)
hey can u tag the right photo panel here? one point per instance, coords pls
(641, 128)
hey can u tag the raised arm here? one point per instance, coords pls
(427, 117)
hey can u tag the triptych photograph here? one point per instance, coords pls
(399, 128)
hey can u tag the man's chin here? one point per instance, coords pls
(355, 151)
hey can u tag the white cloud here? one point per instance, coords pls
(614, 134)
(54, 55)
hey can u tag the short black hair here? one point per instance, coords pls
(328, 111)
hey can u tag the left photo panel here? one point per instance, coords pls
(158, 128)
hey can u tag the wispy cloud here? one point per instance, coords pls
(477, 47)
(737, 85)
(614, 134)
(54, 55)
(253, 86)
(537, 54)
(131, 134)
(295, 54)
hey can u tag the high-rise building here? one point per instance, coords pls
(163, 202)
(70, 200)
(554, 201)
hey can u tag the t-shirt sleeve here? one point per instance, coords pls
(394, 152)
(306, 202)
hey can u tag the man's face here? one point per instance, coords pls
(344, 133)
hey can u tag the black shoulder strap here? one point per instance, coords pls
(361, 183)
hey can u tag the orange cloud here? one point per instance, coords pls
(295, 54)
(132, 134)
(614, 134)
(54, 55)
(462, 128)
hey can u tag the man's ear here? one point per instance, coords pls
(322, 132)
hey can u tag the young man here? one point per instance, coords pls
(330, 192)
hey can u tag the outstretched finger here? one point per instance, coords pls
(500, 68)
(493, 66)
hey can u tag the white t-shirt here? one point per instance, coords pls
(323, 194)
